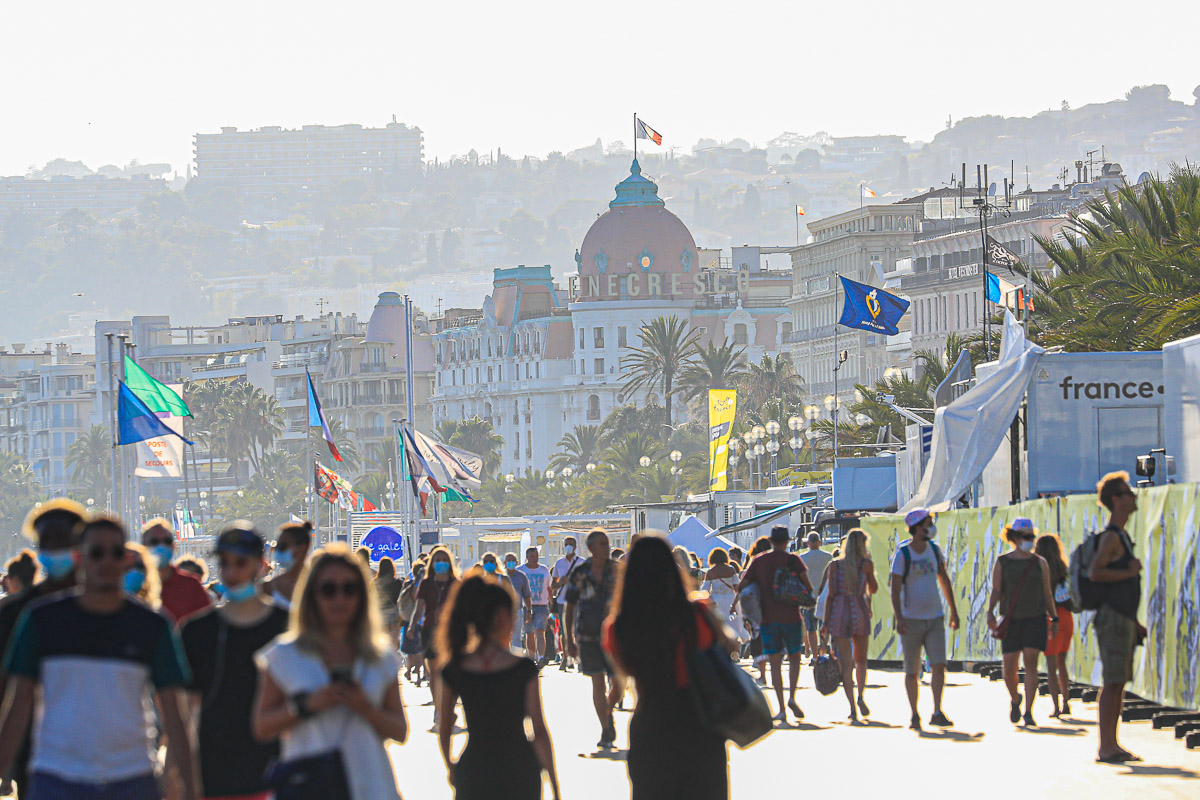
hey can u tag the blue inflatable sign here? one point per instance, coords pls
(384, 541)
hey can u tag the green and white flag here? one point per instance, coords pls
(156, 395)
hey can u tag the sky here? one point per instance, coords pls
(105, 83)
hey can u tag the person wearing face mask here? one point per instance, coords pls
(918, 571)
(558, 586)
(52, 527)
(292, 545)
(182, 594)
(220, 644)
(432, 594)
(520, 586)
(1021, 587)
(141, 575)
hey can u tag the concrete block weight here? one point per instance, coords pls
(1193, 740)
(1182, 729)
(1168, 719)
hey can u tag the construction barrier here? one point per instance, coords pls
(1165, 535)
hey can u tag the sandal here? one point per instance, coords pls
(862, 708)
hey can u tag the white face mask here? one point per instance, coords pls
(569, 549)
(1026, 546)
(931, 532)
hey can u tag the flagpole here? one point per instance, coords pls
(635, 136)
(836, 358)
(112, 415)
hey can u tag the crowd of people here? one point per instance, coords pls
(285, 681)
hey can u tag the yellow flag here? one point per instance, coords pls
(722, 405)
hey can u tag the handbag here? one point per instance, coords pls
(320, 776)
(1001, 630)
(827, 675)
(728, 701)
(788, 589)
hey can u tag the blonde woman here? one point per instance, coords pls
(141, 575)
(330, 685)
(851, 578)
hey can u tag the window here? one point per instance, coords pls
(740, 337)
(593, 409)
(786, 331)
(622, 338)
(489, 374)
(526, 369)
(582, 367)
(598, 338)
(598, 366)
(582, 339)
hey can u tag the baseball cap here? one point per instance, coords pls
(916, 516)
(240, 538)
(1022, 525)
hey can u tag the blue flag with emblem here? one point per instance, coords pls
(136, 422)
(871, 309)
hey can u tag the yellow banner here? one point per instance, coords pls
(722, 405)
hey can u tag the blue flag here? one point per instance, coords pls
(136, 422)
(871, 309)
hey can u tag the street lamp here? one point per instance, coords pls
(773, 428)
(811, 435)
(675, 457)
(590, 467)
(644, 461)
(795, 424)
(735, 444)
(567, 473)
(508, 480)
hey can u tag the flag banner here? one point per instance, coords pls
(157, 396)
(136, 422)
(1001, 292)
(644, 131)
(186, 526)
(867, 191)
(1000, 256)
(161, 457)
(325, 483)
(316, 417)
(871, 309)
(722, 407)
(799, 211)
(994, 292)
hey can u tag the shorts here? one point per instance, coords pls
(592, 660)
(541, 615)
(1117, 637)
(1026, 634)
(923, 633)
(809, 615)
(43, 786)
(1060, 644)
(518, 639)
(782, 637)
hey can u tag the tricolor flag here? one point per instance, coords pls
(1001, 292)
(316, 417)
(867, 191)
(644, 131)
(799, 211)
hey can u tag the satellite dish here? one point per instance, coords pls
(992, 189)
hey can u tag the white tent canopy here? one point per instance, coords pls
(694, 535)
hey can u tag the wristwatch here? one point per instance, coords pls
(1054, 619)
(298, 705)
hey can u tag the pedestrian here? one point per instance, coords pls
(815, 561)
(918, 571)
(618, 554)
(52, 527)
(652, 626)
(96, 652)
(364, 555)
(737, 555)
(20, 572)
(220, 644)
(330, 684)
(539, 614)
(1021, 589)
(782, 627)
(388, 588)
(590, 590)
(182, 594)
(141, 575)
(1118, 632)
(520, 587)
(411, 646)
(851, 584)
(432, 594)
(1050, 548)
(194, 567)
(558, 584)
(293, 542)
(499, 692)
(755, 649)
(720, 581)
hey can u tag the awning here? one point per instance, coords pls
(763, 517)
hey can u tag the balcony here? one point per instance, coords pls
(373, 432)
(811, 334)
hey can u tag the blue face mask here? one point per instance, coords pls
(441, 567)
(240, 594)
(285, 559)
(162, 553)
(135, 579)
(58, 563)
(489, 566)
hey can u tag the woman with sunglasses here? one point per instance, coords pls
(1021, 588)
(432, 594)
(220, 645)
(330, 685)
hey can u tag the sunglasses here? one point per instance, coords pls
(330, 590)
(97, 553)
(156, 542)
(1029, 537)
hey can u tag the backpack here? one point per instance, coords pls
(1086, 594)
(907, 554)
(788, 589)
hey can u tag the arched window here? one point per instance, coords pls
(593, 410)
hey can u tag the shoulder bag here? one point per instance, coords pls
(728, 701)
(321, 776)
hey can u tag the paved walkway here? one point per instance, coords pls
(983, 756)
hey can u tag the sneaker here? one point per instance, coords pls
(940, 720)
(1014, 711)
(1029, 723)
(915, 723)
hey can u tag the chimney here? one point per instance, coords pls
(1079, 172)
(18, 347)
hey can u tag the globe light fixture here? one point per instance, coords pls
(773, 446)
(812, 412)
(759, 449)
(772, 427)
(759, 432)
(676, 456)
(590, 467)
(509, 478)
(829, 402)
(893, 373)
(550, 474)
(795, 423)
(644, 461)
(862, 419)
(567, 472)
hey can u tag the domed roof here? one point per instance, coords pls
(637, 249)
(387, 319)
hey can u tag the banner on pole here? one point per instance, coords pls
(722, 406)
(162, 457)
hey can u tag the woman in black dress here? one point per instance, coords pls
(499, 690)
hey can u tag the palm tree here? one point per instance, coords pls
(713, 368)
(667, 349)
(774, 379)
(934, 365)
(476, 435)
(90, 460)
(1127, 274)
(445, 430)
(625, 453)
(579, 448)
(347, 448)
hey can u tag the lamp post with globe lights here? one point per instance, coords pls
(735, 444)
(773, 447)
(644, 461)
(760, 450)
(812, 413)
(509, 479)
(795, 424)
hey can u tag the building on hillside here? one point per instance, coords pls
(93, 194)
(271, 159)
(864, 245)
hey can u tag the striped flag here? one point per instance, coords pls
(867, 191)
(644, 131)
(799, 211)
(316, 417)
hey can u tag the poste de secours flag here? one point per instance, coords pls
(316, 418)
(871, 309)
(154, 393)
(136, 422)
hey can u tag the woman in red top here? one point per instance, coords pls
(671, 756)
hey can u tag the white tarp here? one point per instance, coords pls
(967, 432)
(694, 535)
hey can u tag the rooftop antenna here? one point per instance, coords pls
(984, 205)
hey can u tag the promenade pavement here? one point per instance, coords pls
(983, 756)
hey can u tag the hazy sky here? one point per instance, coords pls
(109, 82)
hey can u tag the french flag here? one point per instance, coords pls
(316, 417)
